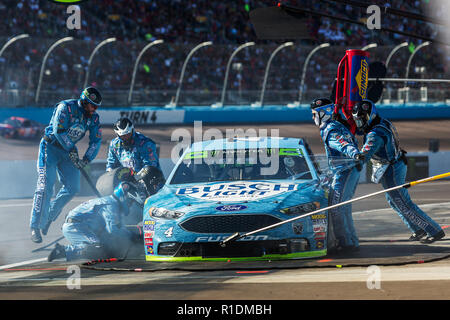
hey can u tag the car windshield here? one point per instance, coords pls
(12, 122)
(249, 164)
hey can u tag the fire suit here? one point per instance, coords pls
(341, 144)
(140, 153)
(67, 126)
(94, 229)
(381, 146)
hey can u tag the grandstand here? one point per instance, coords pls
(183, 25)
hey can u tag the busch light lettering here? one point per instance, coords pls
(245, 191)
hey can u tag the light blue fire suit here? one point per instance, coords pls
(140, 153)
(381, 146)
(68, 125)
(341, 144)
(94, 230)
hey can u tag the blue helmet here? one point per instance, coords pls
(92, 96)
(364, 113)
(127, 191)
(322, 109)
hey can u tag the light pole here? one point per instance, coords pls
(222, 100)
(11, 41)
(53, 46)
(101, 44)
(201, 45)
(261, 100)
(148, 46)
(406, 89)
(305, 67)
(388, 60)
(427, 43)
(369, 46)
(391, 54)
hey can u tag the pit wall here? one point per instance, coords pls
(145, 115)
(18, 178)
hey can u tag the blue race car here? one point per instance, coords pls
(220, 187)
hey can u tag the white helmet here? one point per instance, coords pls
(123, 126)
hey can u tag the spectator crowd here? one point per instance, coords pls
(182, 25)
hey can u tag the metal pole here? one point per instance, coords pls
(222, 100)
(305, 66)
(388, 60)
(13, 39)
(261, 100)
(101, 44)
(148, 46)
(413, 54)
(237, 235)
(426, 43)
(203, 44)
(391, 54)
(44, 62)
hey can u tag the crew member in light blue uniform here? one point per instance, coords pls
(58, 153)
(341, 148)
(133, 150)
(389, 163)
(95, 230)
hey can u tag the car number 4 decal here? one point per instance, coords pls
(169, 232)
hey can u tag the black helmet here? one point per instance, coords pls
(364, 113)
(92, 96)
(123, 126)
(320, 102)
(322, 109)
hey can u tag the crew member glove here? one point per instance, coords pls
(142, 173)
(360, 157)
(359, 161)
(82, 163)
(73, 155)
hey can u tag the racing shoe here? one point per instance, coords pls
(36, 235)
(434, 238)
(416, 236)
(57, 253)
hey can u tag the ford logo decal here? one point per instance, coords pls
(231, 207)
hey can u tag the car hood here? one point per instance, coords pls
(242, 196)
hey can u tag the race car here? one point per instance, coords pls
(19, 127)
(220, 187)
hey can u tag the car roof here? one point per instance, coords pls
(248, 143)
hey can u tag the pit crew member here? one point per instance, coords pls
(95, 230)
(69, 123)
(340, 144)
(382, 148)
(131, 149)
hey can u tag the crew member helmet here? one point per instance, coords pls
(92, 96)
(322, 110)
(127, 192)
(123, 127)
(364, 113)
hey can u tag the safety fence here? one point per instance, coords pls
(41, 72)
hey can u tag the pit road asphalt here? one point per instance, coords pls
(373, 218)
